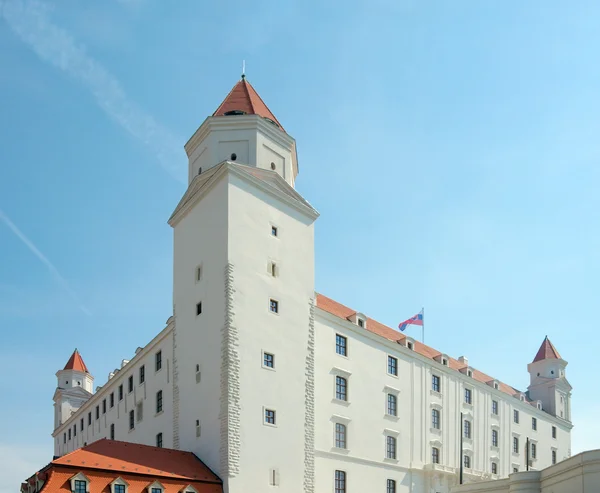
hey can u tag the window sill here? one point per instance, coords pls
(268, 368)
(435, 393)
(494, 416)
(392, 375)
(468, 405)
(342, 355)
(340, 402)
(341, 451)
(436, 431)
(494, 448)
(270, 425)
(391, 417)
(391, 461)
(159, 413)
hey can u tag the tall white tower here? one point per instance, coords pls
(548, 381)
(74, 387)
(243, 292)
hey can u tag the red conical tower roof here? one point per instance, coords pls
(546, 351)
(76, 363)
(243, 97)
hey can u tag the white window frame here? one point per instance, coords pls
(119, 481)
(264, 416)
(262, 360)
(80, 477)
(339, 372)
(156, 484)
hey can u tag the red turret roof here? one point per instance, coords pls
(243, 97)
(546, 351)
(76, 363)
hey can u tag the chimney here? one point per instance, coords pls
(464, 360)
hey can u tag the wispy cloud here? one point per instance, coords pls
(35, 250)
(29, 20)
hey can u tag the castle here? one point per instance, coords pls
(277, 387)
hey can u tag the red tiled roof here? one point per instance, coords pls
(339, 310)
(243, 97)
(112, 455)
(76, 363)
(546, 351)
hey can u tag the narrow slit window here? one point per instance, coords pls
(198, 308)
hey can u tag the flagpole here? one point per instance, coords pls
(423, 326)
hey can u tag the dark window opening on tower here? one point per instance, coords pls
(271, 121)
(234, 112)
(233, 156)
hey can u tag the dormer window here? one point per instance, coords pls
(522, 397)
(469, 373)
(189, 489)
(408, 342)
(359, 319)
(156, 487)
(119, 485)
(410, 345)
(442, 358)
(79, 483)
(361, 322)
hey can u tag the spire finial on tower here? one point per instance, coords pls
(243, 69)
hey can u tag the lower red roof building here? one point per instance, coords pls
(109, 466)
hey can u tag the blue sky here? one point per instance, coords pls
(451, 148)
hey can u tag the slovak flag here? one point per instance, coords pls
(416, 320)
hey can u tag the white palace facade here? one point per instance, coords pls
(278, 388)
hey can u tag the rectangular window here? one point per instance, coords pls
(494, 468)
(269, 416)
(158, 360)
(80, 486)
(273, 231)
(495, 407)
(341, 345)
(361, 322)
(198, 273)
(159, 442)
(121, 392)
(435, 419)
(534, 424)
(90, 418)
(494, 438)
(81, 424)
(130, 383)
(140, 411)
(341, 389)
(131, 420)
(111, 400)
(198, 308)
(390, 449)
(340, 482)
(533, 451)
(119, 488)
(467, 429)
(69, 433)
(391, 486)
(392, 405)
(435, 383)
(435, 455)
(142, 374)
(74, 430)
(554, 457)
(156, 490)
(274, 306)
(273, 269)
(340, 435)
(97, 412)
(112, 431)
(65, 437)
(554, 432)
(392, 365)
(159, 401)
(516, 416)
(103, 406)
(467, 461)
(198, 430)
(515, 445)
(468, 396)
(269, 360)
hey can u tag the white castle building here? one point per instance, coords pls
(276, 387)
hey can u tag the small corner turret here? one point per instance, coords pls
(74, 386)
(548, 382)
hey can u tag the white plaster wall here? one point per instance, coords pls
(200, 238)
(579, 474)
(369, 382)
(251, 247)
(250, 138)
(145, 431)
